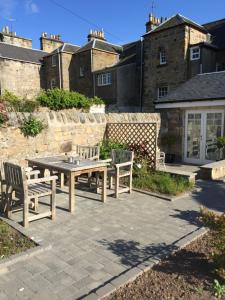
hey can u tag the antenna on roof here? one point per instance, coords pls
(153, 7)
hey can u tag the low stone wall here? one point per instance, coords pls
(62, 130)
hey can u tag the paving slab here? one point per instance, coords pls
(102, 246)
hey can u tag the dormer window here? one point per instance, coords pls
(195, 53)
(162, 56)
(54, 60)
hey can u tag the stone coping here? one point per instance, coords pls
(138, 270)
(13, 259)
(216, 164)
(162, 196)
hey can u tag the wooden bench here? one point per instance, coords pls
(213, 171)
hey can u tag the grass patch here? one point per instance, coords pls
(163, 183)
(12, 241)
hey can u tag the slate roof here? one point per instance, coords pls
(70, 48)
(217, 30)
(208, 86)
(20, 53)
(101, 45)
(176, 21)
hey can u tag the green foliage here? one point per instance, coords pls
(221, 142)
(159, 182)
(216, 223)
(107, 146)
(11, 241)
(31, 127)
(15, 103)
(2, 119)
(57, 99)
(218, 289)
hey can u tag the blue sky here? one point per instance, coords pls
(123, 20)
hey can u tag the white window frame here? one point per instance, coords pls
(195, 55)
(54, 60)
(162, 91)
(104, 79)
(162, 57)
(81, 71)
(53, 83)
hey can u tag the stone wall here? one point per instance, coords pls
(17, 41)
(19, 77)
(102, 59)
(62, 130)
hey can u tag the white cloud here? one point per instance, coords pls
(7, 8)
(31, 7)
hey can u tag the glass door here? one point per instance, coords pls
(214, 129)
(193, 139)
(201, 132)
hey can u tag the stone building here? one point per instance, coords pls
(184, 65)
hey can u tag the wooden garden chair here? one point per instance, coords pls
(26, 189)
(121, 167)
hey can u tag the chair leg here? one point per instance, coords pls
(117, 184)
(52, 199)
(97, 180)
(8, 198)
(62, 180)
(110, 182)
(26, 212)
(130, 183)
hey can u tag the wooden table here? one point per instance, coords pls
(60, 164)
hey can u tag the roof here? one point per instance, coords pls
(217, 30)
(101, 45)
(176, 21)
(22, 54)
(208, 86)
(70, 48)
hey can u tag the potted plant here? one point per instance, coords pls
(221, 147)
(168, 141)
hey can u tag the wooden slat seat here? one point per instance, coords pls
(40, 189)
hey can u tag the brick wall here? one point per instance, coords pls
(62, 129)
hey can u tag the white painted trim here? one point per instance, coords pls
(187, 104)
(203, 112)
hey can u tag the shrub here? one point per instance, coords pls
(15, 103)
(31, 127)
(2, 119)
(216, 223)
(57, 99)
(221, 142)
(107, 146)
(159, 182)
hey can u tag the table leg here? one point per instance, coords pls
(71, 193)
(104, 183)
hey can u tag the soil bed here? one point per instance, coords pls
(12, 241)
(188, 274)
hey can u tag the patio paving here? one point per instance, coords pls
(95, 249)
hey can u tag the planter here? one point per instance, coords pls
(170, 158)
(97, 109)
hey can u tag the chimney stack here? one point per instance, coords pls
(153, 22)
(94, 34)
(10, 37)
(50, 42)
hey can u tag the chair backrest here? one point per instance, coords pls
(2, 175)
(15, 177)
(122, 156)
(87, 152)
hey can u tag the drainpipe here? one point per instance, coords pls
(93, 75)
(141, 76)
(60, 75)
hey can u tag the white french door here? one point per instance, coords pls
(202, 128)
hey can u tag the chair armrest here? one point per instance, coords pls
(41, 180)
(28, 169)
(34, 172)
(128, 163)
(108, 160)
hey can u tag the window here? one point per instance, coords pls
(53, 83)
(104, 79)
(162, 91)
(162, 57)
(195, 53)
(220, 67)
(81, 71)
(54, 60)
